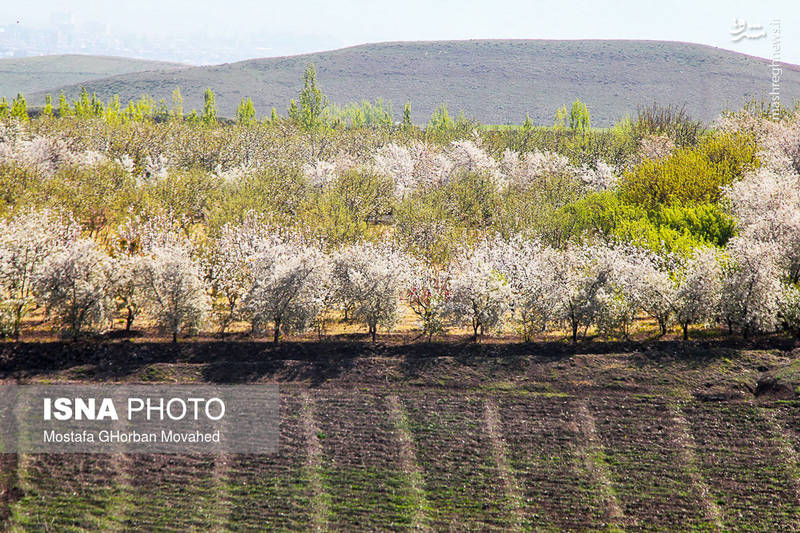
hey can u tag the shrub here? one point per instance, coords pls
(690, 175)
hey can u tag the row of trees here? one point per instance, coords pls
(277, 280)
(311, 111)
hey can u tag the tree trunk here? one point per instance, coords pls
(574, 333)
(276, 334)
(686, 331)
(129, 320)
(174, 336)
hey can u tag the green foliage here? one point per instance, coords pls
(709, 223)
(442, 128)
(364, 114)
(209, 108)
(561, 120)
(98, 197)
(669, 121)
(343, 211)
(425, 227)
(276, 194)
(527, 124)
(407, 124)
(19, 108)
(64, 109)
(691, 175)
(246, 112)
(645, 233)
(673, 228)
(308, 111)
(599, 214)
(19, 187)
(328, 216)
(86, 106)
(434, 222)
(440, 120)
(176, 112)
(113, 113)
(47, 111)
(579, 117)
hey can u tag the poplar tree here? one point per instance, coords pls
(307, 112)
(407, 115)
(579, 117)
(246, 113)
(48, 106)
(63, 106)
(209, 108)
(177, 105)
(19, 108)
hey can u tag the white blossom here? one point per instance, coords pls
(26, 241)
(751, 286)
(479, 294)
(289, 278)
(396, 162)
(368, 279)
(75, 284)
(698, 285)
(174, 289)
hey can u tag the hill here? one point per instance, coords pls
(495, 81)
(442, 436)
(31, 74)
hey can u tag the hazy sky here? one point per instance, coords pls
(298, 26)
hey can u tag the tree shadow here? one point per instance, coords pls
(319, 361)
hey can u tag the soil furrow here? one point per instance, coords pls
(408, 461)
(786, 449)
(687, 450)
(122, 506)
(595, 464)
(500, 455)
(313, 465)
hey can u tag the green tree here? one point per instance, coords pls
(83, 105)
(407, 124)
(209, 107)
(63, 106)
(19, 108)
(561, 118)
(246, 113)
(527, 124)
(579, 117)
(113, 110)
(440, 120)
(48, 106)
(308, 112)
(96, 107)
(176, 112)
(273, 116)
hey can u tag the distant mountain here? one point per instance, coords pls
(31, 74)
(494, 81)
